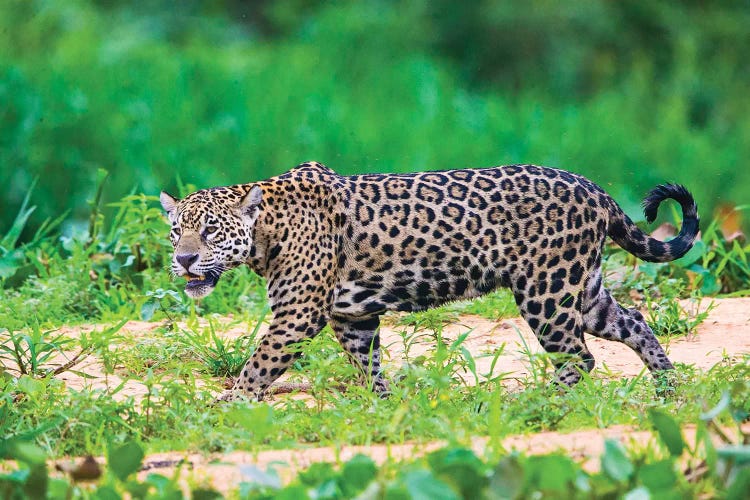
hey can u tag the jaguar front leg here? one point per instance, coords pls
(276, 351)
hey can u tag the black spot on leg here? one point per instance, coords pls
(275, 251)
(533, 307)
(367, 324)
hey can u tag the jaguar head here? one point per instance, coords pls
(211, 233)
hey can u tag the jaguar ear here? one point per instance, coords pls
(168, 202)
(248, 205)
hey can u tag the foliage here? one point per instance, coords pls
(451, 472)
(717, 264)
(224, 92)
(100, 103)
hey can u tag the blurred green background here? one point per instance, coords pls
(629, 93)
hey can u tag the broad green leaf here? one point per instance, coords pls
(740, 486)
(165, 487)
(106, 492)
(317, 473)
(551, 472)
(27, 452)
(738, 453)
(58, 488)
(10, 263)
(461, 468)
(327, 489)
(423, 485)
(615, 462)
(137, 489)
(205, 494)
(507, 479)
(293, 492)
(669, 431)
(357, 473)
(639, 493)
(710, 284)
(395, 490)
(37, 482)
(658, 475)
(148, 309)
(125, 459)
(256, 476)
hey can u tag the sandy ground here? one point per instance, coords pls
(508, 344)
(723, 336)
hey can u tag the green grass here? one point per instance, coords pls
(419, 410)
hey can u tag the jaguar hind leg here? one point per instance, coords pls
(361, 341)
(603, 317)
(558, 324)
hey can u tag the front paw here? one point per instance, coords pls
(236, 395)
(225, 396)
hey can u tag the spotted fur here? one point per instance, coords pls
(343, 250)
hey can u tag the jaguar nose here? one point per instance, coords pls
(187, 260)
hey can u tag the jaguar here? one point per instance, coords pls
(342, 250)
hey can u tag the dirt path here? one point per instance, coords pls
(231, 468)
(224, 472)
(725, 334)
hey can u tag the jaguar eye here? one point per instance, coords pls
(211, 229)
(177, 231)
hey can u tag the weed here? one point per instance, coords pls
(33, 352)
(221, 357)
(667, 316)
(12, 256)
(717, 264)
(160, 299)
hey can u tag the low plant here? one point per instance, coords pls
(12, 255)
(717, 264)
(221, 357)
(87, 480)
(674, 469)
(32, 352)
(667, 316)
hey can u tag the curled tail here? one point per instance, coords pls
(626, 234)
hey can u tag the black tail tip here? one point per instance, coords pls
(666, 191)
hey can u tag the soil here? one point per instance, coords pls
(723, 337)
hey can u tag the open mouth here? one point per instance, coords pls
(201, 284)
